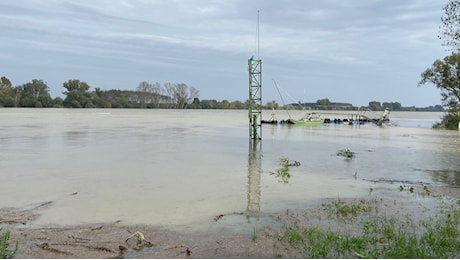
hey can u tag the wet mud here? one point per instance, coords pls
(118, 240)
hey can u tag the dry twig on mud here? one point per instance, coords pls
(141, 241)
(218, 217)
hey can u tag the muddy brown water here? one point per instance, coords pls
(179, 169)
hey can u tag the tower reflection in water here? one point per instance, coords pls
(254, 175)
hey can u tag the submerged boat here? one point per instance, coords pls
(307, 119)
(384, 118)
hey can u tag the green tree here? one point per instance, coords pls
(7, 97)
(5, 83)
(393, 106)
(240, 105)
(445, 75)
(396, 106)
(323, 102)
(450, 25)
(195, 104)
(209, 104)
(98, 99)
(35, 94)
(224, 104)
(121, 98)
(271, 105)
(77, 95)
(6, 93)
(375, 106)
(58, 102)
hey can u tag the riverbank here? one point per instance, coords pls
(412, 202)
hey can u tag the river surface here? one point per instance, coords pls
(183, 167)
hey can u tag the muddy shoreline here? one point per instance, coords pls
(119, 240)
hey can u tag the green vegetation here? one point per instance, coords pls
(325, 104)
(5, 251)
(283, 171)
(346, 153)
(339, 208)
(254, 236)
(361, 232)
(411, 189)
(445, 74)
(78, 94)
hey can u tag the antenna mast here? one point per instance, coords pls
(258, 34)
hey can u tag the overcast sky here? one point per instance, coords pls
(352, 51)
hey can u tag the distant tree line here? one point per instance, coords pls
(78, 95)
(325, 104)
(154, 95)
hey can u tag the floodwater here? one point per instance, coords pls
(183, 167)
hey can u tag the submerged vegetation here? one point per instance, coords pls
(283, 171)
(339, 208)
(346, 153)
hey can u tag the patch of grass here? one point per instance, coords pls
(442, 235)
(294, 235)
(376, 236)
(5, 251)
(342, 209)
(254, 236)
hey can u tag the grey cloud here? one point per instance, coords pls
(305, 40)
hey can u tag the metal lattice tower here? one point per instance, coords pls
(255, 98)
(254, 176)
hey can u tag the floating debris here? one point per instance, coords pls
(346, 153)
(216, 218)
